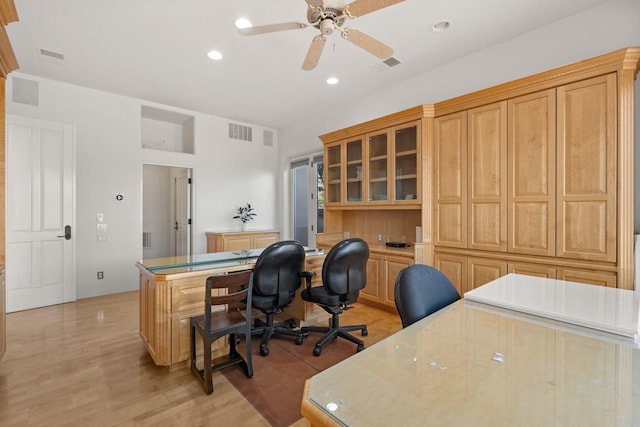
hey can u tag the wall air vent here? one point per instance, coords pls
(241, 132)
(52, 54)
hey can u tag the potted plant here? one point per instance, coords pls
(244, 214)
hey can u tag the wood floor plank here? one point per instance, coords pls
(84, 363)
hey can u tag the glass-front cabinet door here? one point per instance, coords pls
(378, 167)
(354, 172)
(406, 169)
(333, 174)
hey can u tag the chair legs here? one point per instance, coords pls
(334, 330)
(205, 375)
(268, 329)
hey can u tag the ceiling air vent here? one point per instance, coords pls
(241, 132)
(52, 54)
(391, 62)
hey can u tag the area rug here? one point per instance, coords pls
(278, 381)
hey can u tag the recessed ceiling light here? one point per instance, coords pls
(332, 81)
(243, 23)
(215, 55)
(441, 26)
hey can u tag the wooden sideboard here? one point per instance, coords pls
(235, 241)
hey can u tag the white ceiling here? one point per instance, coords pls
(156, 49)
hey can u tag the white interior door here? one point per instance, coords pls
(183, 212)
(40, 221)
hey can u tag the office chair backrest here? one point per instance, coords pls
(344, 270)
(421, 290)
(277, 270)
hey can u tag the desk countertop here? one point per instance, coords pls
(475, 364)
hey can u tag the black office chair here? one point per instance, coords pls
(343, 276)
(276, 277)
(228, 295)
(421, 290)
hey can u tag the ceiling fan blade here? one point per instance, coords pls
(315, 3)
(261, 29)
(314, 52)
(362, 7)
(367, 43)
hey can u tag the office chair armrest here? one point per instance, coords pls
(308, 275)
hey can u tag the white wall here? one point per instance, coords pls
(226, 174)
(605, 28)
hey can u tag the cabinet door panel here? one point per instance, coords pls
(455, 268)
(587, 160)
(450, 180)
(590, 277)
(488, 177)
(406, 166)
(372, 290)
(378, 167)
(532, 270)
(531, 168)
(333, 159)
(354, 171)
(483, 270)
(393, 265)
(262, 241)
(237, 243)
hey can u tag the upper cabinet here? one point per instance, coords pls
(535, 175)
(379, 167)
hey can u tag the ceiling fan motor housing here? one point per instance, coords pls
(325, 19)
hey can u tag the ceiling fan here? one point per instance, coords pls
(329, 16)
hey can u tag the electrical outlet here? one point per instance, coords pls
(100, 275)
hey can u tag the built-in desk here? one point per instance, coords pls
(172, 291)
(473, 364)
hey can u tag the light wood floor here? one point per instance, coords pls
(84, 364)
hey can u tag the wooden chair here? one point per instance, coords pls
(226, 295)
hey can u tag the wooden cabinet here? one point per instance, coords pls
(587, 163)
(450, 180)
(382, 271)
(227, 242)
(534, 175)
(487, 185)
(380, 167)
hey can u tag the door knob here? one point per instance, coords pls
(67, 232)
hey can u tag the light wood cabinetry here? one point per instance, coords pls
(228, 242)
(380, 167)
(487, 183)
(382, 271)
(587, 163)
(530, 175)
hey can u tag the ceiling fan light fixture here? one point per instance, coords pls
(243, 23)
(333, 81)
(215, 55)
(441, 26)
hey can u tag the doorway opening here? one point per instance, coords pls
(166, 211)
(307, 175)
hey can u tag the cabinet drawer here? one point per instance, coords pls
(188, 295)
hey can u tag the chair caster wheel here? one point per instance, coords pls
(360, 348)
(365, 332)
(264, 350)
(299, 340)
(293, 325)
(317, 351)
